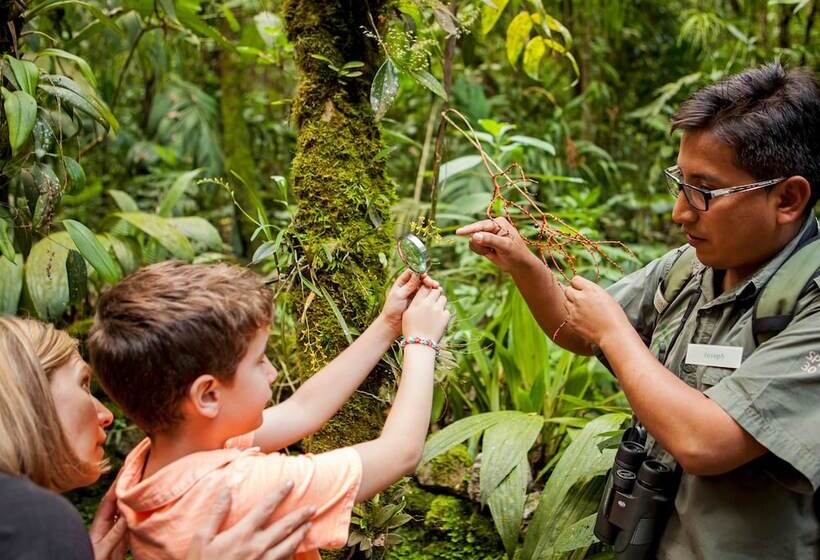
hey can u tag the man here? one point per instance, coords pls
(746, 434)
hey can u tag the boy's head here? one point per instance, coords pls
(175, 339)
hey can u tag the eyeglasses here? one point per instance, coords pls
(698, 198)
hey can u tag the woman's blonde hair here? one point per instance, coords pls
(32, 440)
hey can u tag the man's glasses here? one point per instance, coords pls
(698, 198)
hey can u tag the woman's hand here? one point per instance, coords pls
(400, 295)
(499, 241)
(252, 538)
(107, 531)
(592, 313)
(427, 315)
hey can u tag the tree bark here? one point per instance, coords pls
(344, 198)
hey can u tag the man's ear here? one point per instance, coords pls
(204, 396)
(793, 195)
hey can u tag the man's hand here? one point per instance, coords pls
(499, 241)
(592, 313)
(250, 538)
(107, 531)
(400, 295)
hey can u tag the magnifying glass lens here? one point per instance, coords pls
(414, 253)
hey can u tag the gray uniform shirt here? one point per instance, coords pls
(764, 509)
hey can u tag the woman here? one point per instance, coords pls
(52, 431)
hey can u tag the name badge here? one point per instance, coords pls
(718, 356)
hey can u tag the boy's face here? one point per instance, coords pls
(250, 392)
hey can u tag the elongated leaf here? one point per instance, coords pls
(69, 84)
(178, 188)
(542, 145)
(47, 5)
(445, 18)
(164, 232)
(505, 445)
(533, 54)
(125, 249)
(580, 462)
(75, 173)
(77, 277)
(507, 505)
(11, 284)
(264, 251)
(518, 33)
(338, 314)
(456, 166)
(21, 114)
(124, 201)
(199, 231)
(26, 74)
(76, 101)
(464, 429)
(93, 251)
(384, 89)
(85, 69)
(170, 9)
(429, 81)
(46, 279)
(490, 15)
(6, 246)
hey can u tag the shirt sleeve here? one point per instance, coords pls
(329, 482)
(774, 394)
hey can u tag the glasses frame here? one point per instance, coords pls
(709, 194)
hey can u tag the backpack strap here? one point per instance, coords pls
(776, 303)
(679, 274)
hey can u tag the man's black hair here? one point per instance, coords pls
(770, 116)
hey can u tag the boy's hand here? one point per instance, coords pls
(427, 315)
(399, 296)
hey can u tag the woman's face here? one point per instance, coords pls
(82, 416)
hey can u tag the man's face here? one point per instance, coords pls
(739, 230)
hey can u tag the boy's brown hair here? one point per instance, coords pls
(165, 325)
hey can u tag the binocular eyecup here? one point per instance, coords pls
(637, 501)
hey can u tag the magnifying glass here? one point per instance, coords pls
(414, 253)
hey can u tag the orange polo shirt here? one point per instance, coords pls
(165, 510)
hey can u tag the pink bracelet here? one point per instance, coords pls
(404, 341)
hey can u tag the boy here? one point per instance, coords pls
(181, 348)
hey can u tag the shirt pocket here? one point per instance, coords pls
(712, 375)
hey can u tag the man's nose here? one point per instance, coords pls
(682, 212)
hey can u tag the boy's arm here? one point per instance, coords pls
(397, 451)
(318, 398)
(321, 396)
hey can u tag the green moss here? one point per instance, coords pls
(449, 470)
(342, 223)
(453, 529)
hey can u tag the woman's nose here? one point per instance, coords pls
(104, 416)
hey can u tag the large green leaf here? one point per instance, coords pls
(577, 535)
(126, 250)
(178, 188)
(384, 89)
(200, 231)
(507, 504)
(84, 67)
(93, 251)
(46, 279)
(11, 284)
(429, 81)
(25, 72)
(77, 276)
(58, 80)
(580, 462)
(163, 231)
(123, 200)
(458, 165)
(465, 428)
(518, 32)
(21, 114)
(505, 445)
(76, 101)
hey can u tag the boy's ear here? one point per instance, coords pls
(203, 396)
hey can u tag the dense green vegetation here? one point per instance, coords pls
(301, 137)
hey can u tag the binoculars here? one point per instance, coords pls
(637, 499)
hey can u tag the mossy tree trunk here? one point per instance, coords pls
(343, 195)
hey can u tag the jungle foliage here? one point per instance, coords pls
(300, 137)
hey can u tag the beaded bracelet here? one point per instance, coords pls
(404, 341)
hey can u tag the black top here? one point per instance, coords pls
(36, 524)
